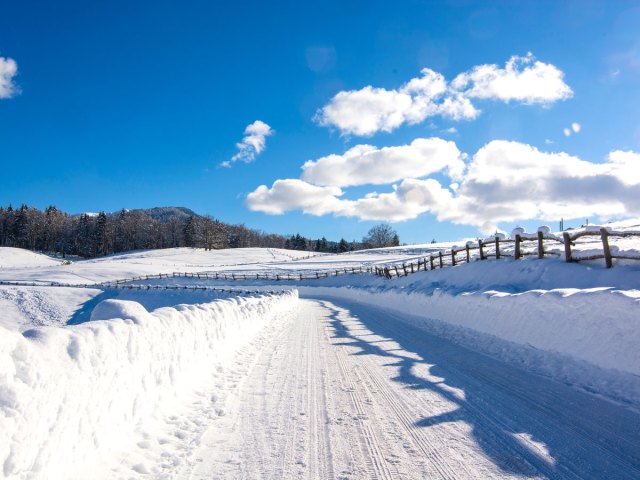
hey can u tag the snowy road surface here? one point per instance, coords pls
(342, 390)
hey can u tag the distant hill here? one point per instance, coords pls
(163, 214)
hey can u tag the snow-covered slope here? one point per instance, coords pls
(20, 258)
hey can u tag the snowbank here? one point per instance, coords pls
(69, 397)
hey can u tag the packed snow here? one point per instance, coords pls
(163, 381)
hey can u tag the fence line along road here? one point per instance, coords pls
(523, 245)
(120, 284)
(491, 248)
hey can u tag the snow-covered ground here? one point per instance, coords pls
(491, 369)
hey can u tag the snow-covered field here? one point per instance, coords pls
(490, 369)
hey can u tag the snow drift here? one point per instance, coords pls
(70, 396)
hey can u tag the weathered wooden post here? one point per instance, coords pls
(440, 257)
(453, 257)
(468, 254)
(404, 269)
(431, 262)
(567, 247)
(540, 245)
(605, 246)
(517, 253)
(497, 247)
(412, 271)
(480, 245)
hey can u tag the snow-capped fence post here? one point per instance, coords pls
(431, 262)
(468, 254)
(480, 245)
(567, 247)
(540, 245)
(605, 246)
(517, 253)
(440, 258)
(396, 268)
(453, 257)
(497, 247)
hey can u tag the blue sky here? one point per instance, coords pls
(137, 104)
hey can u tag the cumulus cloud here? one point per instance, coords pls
(523, 79)
(372, 109)
(503, 182)
(252, 145)
(294, 194)
(8, 70)
(365, 164)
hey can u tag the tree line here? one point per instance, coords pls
(94, 235)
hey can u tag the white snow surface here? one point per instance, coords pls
(20, 258)
(111, 383)
(73, 398)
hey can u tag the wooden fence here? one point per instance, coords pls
(120, 284)
(489, 248)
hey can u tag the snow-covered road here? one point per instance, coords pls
(343, 390)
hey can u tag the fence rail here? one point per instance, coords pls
(127, 286)
(491, 248)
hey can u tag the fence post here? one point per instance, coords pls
(605, 246)
(440, 257)
(431, 262)
(386, 272)
(540, 245)
(453, 257)
(497, 247)
(480, 245)
(396, 268)
(517, 254)
(412, 271)
(567, 247)
(468, 255)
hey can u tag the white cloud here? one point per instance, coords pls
(576, 127)
(503, 182)
(8, 70)
(523, 79)
(365, 164)
(252, 145)
(294, 194)
(372, 109)
(567, 132)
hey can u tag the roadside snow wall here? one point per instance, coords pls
(69, 396)
(587, 337)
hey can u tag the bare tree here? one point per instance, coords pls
(382, 235)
